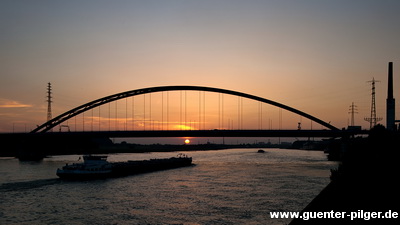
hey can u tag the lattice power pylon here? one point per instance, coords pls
(373, 119)
(49, 116)
(352, 111)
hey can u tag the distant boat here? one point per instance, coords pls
(97, 167)
(260, 151)
(30, 156)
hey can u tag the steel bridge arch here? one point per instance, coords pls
(101, 101)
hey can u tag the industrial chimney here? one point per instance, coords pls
(390, 101)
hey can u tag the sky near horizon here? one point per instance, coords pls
(312, 55)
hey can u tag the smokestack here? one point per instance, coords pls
(390, 101)
(390, 81)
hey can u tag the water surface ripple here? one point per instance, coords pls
(234, 186)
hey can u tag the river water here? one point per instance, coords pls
(234, 186)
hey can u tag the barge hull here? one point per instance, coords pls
(119, 169)
(137, 167)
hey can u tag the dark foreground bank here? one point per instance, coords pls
(365, 187)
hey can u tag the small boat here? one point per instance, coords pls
(97, 167)
(260, 151)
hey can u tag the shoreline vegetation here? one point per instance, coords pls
(366, 179)
(29, 148)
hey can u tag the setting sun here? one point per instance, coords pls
(187, 141)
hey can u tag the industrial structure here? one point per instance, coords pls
(390, 101)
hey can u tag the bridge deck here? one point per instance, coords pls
(200, 133)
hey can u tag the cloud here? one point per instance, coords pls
(6, 103)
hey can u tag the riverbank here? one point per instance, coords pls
(81, 145)
(362, 199)
(366, 180)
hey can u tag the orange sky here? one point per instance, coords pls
(316, 56)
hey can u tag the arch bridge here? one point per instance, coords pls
(57, 121)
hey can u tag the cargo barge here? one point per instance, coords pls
(97, 167)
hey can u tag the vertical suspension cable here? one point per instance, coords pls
(180, 118)
(185, 110)
(261, 105)
(133, 112)
(258, 109)
(109, 116)
(162, 110)
(126, 114)
(260, 115)
(144, 112)
(167, 110)
(222, 111)
(204, 112)
(280, 123)
(241, 113)
(219, 110)
(238, 113)
(199, 110)
(99, 119)
(116, 115)
(83, 120)
(150, 113)
(91, 126)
